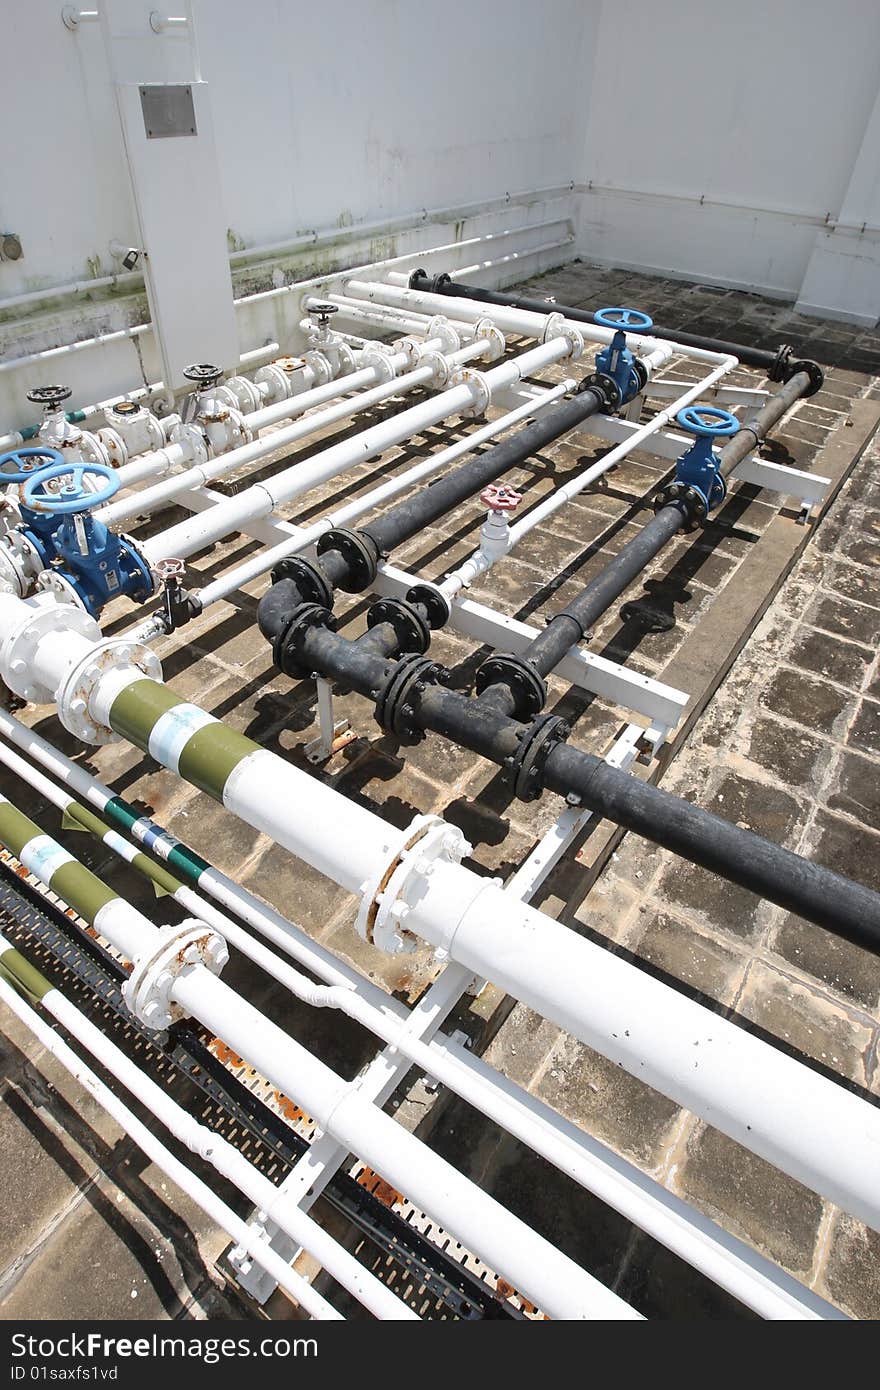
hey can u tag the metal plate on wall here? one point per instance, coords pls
(168, 110)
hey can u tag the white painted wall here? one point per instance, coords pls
(705, 139)
(719, 137)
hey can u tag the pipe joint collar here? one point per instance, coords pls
(379, 358)
(400, 879)
(485, 328)
(149, 988)
(480, 389)
(75, 696)
(440, 327)
(556, 327)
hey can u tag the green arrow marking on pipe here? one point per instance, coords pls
(26, 978)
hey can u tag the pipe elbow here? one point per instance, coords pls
(276, 607)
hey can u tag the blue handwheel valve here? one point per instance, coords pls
(96, 564)
(616, 364)
(699, 487)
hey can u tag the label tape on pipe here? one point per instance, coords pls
(43, 857)
(173, 731)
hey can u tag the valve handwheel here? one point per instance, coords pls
(26, 462)
(501, 498)
(74, 496)
(707, 421)
(322, 312)
(203, 373)
(632, 319)
(49, 396)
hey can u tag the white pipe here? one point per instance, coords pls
(261, 499)
(412, 220)
(398, 277)
(265, 560)
(202, 1141)
(260, 449)
(540, 1271)
(734, 1266)
(17, 301)
(511, 320)
(480, 561)
(51, 354)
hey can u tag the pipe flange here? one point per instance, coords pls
(641, 372)
(780, 363)
(312, 584)
(244, 392)
(395, 703)
(359, 552)
(813, 371)
(435, 603)
(419, 279)
(527, 688)
(345, 358)
(379, 358)
(385, 896)
(322, 367)
(193, 438)
(690, 502)
(556, 327)
(440, 327)
(42, 619)
(74, 696)
(278, 377)
(287, 648)
(485, 328)
(440, 369)
(410, 628)
(54, 582)
(523, 772)
(606, 388)
(410, 347)
(148, 989)
(482, 392)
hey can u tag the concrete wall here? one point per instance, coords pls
(733, 143)
(720, 139)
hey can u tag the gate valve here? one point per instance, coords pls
(616, 362)
(214, 410)
(89, 560)
(699, 487)
(60, 430)
(495, 532)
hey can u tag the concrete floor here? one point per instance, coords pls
(792, 739)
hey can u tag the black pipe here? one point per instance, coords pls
(412, 700)
(778, 365)
(414, 513)
(348, 559)
(580, 615)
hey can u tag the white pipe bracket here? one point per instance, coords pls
(149, 987)
(75, 695)
(385, 896)
(480, 389)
